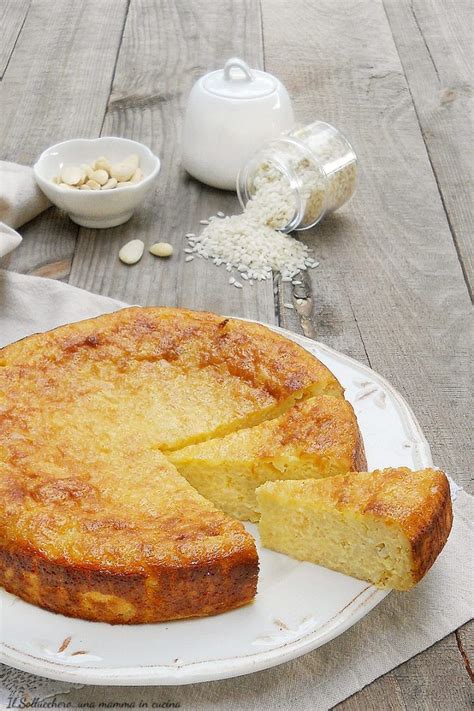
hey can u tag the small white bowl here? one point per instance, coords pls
(96, 208)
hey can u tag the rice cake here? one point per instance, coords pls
(94, 521)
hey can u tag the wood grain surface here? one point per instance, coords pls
(393, 285)
(12, 17)
(434, 41)
(148, 105)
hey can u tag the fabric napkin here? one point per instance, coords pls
(402, 625)
(20, 201)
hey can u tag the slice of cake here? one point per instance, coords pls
(386, 526)
(316, 438)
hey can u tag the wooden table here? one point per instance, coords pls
(396, 268)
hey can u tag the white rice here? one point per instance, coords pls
(253, 248)
(249, 244)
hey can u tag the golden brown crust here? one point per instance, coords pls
(323, 426)
(194, 375)
(425, 518)
(197, 338)
(359, 460)
(429, 529)
(159, 594)
(318, 424)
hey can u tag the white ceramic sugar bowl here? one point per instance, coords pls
(230, 114)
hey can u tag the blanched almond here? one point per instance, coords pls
(137, 176)
(100, 176)
(122, 171)
(101, 164)
(72, 175)
(132, 252)
(111, 183)
(132, 160)
(87, 170)
(161, 249)
(93, 184)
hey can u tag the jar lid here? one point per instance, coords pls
(238, 81)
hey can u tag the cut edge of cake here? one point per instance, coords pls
(317, 437)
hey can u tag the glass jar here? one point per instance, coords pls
(293, 181)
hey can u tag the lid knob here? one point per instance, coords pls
(235, 62)
(238, 81)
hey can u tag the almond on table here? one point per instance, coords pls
(161, 249)
(132, 252)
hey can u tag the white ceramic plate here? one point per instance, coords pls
(299, 606)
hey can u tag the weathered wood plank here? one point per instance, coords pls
(465, 640)
(434, 41)
(320, 315)
(151, 84)
(434, 679)
(56, 87)
(382, 694)
(12, 17)
(387, 258)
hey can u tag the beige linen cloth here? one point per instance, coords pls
(20, 201)
(401, 626)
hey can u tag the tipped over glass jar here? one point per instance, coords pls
(293, 181)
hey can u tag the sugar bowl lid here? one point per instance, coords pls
(238, 81)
